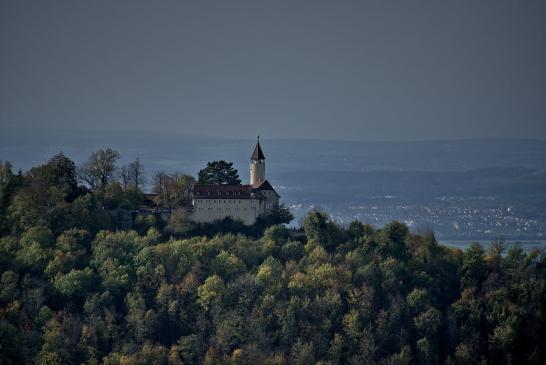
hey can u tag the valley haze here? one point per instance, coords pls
(463, 190)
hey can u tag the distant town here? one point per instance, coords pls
(450, 219)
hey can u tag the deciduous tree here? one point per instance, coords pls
(99, 170)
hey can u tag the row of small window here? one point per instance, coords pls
(220, 201)
(220, 209)
(226, 193)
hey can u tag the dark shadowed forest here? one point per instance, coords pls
(75, 288)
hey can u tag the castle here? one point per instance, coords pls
(239, 202)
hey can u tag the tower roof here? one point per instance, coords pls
(257, 154)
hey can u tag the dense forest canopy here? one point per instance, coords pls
(77, 289)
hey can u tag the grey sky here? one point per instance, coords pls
(313, 69)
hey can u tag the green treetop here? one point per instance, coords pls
(219, 173)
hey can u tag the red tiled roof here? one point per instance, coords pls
(226, 192)
(263, 185)
(150, 196)
(149, 199)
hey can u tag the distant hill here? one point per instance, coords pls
(329, 169)
(171, 150)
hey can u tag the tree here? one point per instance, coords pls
(61, 341)
(180, 223)
(426, 352)
(61, 172)
(393, 240)
(74, 291)
(280, 215)
(417, 300)
(70, 252)
(161, 188)
(8, 289)
(357, 230)
(302, 353)
(211, 292)
(230, 331)
(35, 251)
(140, 321)
(473, 269)
(125, 176)
(77, 283)
(174, 190)
(9, 183)
(292, 250)
(5, 172)
(219, 173)
(227, 265)
(98, 171)
(112, 195)
(428, 322)
(270, 271)
(132, 198)
(43, 195)
(277, 233)
(189, 349)
(136, 171)
(132, 175)
(113, 255)
(321, 230)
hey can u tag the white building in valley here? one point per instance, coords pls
(240, 202)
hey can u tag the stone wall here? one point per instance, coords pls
(209, 210)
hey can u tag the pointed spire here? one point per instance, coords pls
(257, 154)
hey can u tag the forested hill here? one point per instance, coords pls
(76, 290)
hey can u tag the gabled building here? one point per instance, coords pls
(239, 202)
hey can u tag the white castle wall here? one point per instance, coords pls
(209, 210)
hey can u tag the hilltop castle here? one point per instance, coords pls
(241, 202)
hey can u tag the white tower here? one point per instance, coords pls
(257, 165)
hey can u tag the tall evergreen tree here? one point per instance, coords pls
(219, 173)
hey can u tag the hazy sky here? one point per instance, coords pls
(305, 69)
